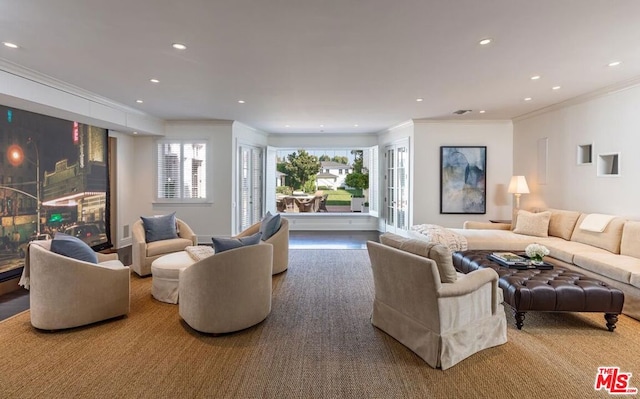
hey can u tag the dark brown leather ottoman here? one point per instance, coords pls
(556, 290)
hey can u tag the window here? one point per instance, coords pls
(298, 180)
(182, 170)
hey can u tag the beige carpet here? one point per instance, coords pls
(317, 343)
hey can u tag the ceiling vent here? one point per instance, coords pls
(462, 111)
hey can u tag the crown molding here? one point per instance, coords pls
(463, 122)
(56, 84)
(603, 92)
(199, 122)
(244, 125)
(320, 135)
(396, 127)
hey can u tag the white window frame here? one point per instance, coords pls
(180, 198)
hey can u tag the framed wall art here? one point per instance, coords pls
(463, 177)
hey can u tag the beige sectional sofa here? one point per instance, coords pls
(612, 256)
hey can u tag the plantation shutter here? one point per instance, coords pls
(256, 184)
(245, 192)
(181, 170)
(168, 170)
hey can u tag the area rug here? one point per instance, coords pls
(317, 342)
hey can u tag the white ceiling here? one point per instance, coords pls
(336, 63)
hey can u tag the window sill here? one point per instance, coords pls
(182, 203)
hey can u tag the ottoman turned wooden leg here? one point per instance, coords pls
(612, 319)
(519, 319)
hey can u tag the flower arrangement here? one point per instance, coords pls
(536, 252)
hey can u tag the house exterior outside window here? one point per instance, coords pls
(181, 171)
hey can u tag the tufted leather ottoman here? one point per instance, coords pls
(556, 290)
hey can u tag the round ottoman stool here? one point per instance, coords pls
(165, 273)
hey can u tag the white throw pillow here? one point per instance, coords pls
(533, 224)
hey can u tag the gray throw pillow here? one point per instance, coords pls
(270, 225)
(221, 244)
(157, 228)
(73, 247)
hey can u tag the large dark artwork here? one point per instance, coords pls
(53, 178)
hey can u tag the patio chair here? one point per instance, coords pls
(304, 206)
(316, 203)
(290, 204)
(323, 204)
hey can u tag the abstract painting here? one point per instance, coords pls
(463, 177)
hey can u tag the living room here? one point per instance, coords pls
(542, 138)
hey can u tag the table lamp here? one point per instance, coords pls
(517, 187)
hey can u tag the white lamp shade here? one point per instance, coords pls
(518, 185)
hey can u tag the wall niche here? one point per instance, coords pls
(585, 154)
(609, 164)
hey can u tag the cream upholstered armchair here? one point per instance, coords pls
(66, 292)
(144, 253)
(443, 323)
(280, 242)
(228, 291)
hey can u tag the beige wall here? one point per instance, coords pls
(206, 219)
(126, 201)
(427, 139)
(611, 123)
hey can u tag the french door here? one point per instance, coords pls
(396, 199)
(251, 170)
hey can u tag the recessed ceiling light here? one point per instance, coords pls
(482, 111)
(528, 99)
(179, 46)
(555, 88)
(287, 125)
(356, 125)
(154, 81)
(241, 101)
(419, 99)
(536, 77)
(139, 101)
(321, 125)
(10, 45)
(484, 42)
(614, 63)
(135, 132)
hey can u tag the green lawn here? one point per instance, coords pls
(340, 197)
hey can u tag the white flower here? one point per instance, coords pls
(536, 251)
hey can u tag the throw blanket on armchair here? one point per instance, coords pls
(199, 252)
(440, 235)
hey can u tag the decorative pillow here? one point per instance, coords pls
(533, 224)
(158, 228)
(609, 239)
(562, 223)
(73, 247)
(630, 239)
(438, 253)
(269, 225)
(221, 244)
